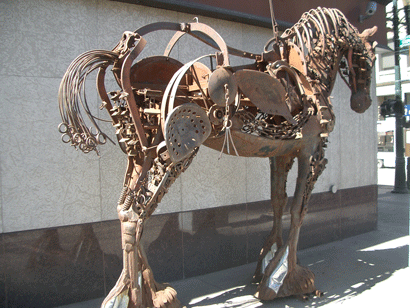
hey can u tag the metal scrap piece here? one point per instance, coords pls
(186, 128)
(219, 80)
(265, 92)
(280, 272)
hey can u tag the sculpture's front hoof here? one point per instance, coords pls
(282, 277)
(300, 281)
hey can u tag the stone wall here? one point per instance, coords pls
(45, 183)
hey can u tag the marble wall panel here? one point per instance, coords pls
(163, 244)
(213, 182)
(257, 179)
(36, 193)
(48, 268)
(217, 239)
(3, 298)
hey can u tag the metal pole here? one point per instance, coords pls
(400, 186)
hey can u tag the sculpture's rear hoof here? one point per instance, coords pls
(165, 297)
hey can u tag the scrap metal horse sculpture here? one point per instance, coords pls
(278, 107)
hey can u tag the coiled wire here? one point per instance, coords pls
(73, 103)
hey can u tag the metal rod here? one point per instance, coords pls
(400, 186)
(274, 24)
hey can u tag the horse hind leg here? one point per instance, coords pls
(144, 187)
(279, 168)
(283, 276)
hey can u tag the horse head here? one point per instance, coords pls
(360, 61)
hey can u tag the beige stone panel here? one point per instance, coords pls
(257, 174)
(114, 18)
(358, 143)
(172, 201)
(210, 182)
(254, 38)
(44, 182)
(59, 17)
(33, 54)
(112, 164)
(10, 19)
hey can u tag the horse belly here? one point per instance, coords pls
(248, 145)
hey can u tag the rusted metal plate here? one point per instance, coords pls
(152, 71)
(296, 58)
(265, 92)
(222, 86)
(186, 128)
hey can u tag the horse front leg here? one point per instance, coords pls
(283, 276)
(279, 169)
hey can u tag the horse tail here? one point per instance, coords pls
(73, 101)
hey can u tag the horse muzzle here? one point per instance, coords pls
(360, 101)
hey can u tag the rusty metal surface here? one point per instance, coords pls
(163, 110)
(265, 92)
(220, 81)
(186, 128)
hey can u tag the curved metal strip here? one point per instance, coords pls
(231, 50)
(323, 18)
(126, 86)
(173, 26)
(168, 95)
(210, 32)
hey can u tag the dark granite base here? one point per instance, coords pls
(52, 267)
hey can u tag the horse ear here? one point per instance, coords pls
(368, 33)
(365, 36)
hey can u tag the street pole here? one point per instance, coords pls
(400, 186)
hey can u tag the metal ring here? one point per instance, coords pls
(101, 138)
(77, 139)
(63, 128)
(90, 142)
(66, 138)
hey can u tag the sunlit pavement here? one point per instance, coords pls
(368, 270)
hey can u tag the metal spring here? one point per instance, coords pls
(122, 195)
(127, 203)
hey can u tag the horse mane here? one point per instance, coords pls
(324, 35)
(323, 29)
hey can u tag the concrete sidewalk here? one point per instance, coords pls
(368, 270)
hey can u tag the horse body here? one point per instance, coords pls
(277, 107)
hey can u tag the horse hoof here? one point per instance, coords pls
(299, 282)
(166, 297)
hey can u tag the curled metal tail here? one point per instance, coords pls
(73, 101)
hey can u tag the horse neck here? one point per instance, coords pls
(323, 70)
(324, 47)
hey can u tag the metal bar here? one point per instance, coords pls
(400, 171)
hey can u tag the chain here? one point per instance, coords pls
(227, 124)
(259, 125)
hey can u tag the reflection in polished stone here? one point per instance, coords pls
(59, 266)
(44, 271)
